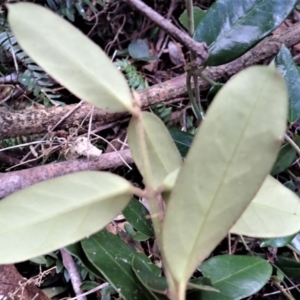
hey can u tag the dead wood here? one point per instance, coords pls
(14, 286)
(17, 180)
(28, 122)
(40, 121)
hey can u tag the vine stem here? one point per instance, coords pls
(194, 97)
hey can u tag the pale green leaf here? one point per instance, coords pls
(163, 154)
(69, 57)
(59, 212)
(170, 181)
(232, 153)
(274, 212)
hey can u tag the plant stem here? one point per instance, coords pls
(194, 97)
(150, 191)
(193, 100)
(280, 287)
(199, 48)
(207, 79)
(292, 143)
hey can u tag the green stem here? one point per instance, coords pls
(280, 287)
(193, 100)
(245, 245)
(194, 96)
(190, 16)
(207, 79)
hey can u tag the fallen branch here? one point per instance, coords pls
(38, 121)
(17, 180)
(200, 49)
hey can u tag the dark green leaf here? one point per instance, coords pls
(183, 140)
(77, 251)
(147, 272)
(213, 91)
(291, 73)
(201, 283)
(277, 242)
(198, 15)
(290, 267)
(135, 235)
(290, 185)
(88, 285)
(196, 294)
(140, 237)
(139, 217)
(247, 274)
(232, 27)
(112, 257)
(285, 158)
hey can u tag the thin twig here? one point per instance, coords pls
(73, 273)
(51, 129)
(282, 289)
(200, 49)
(292, 143)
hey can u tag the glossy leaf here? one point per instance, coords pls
(147, 272)
(139, 217)
(58, 212)
(232, 27)
(135, 235)
(213, 91)
(163, 154)
(71, 58)
(274, 212)
(183, 140)
(246, 274)
(226, 165)
(277, 242)
(113, 258)
(291, 73)
(197, 285)
(77, 251)
(198, 15)
(289, 267)
(285, 158)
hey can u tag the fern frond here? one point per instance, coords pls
(135, 80)
(30, 75)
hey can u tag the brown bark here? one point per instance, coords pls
(27, 122)
(14, 286)
(17, 180)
